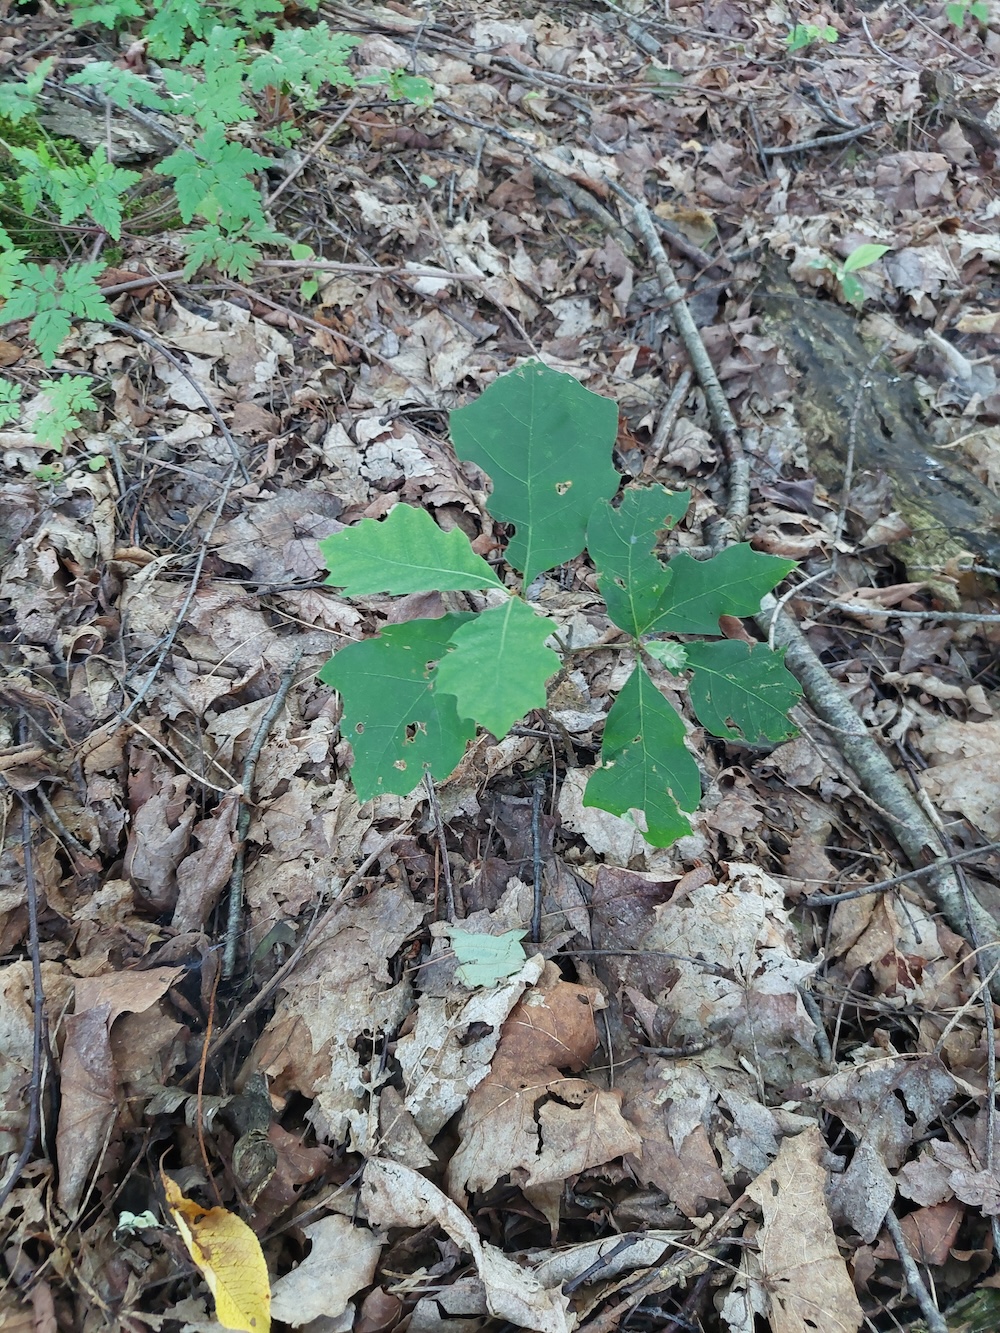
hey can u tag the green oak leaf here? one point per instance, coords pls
(731, 583)
(397, 720)
(545, 442)
(405, 552)
(487, 959)
(742, 691)
(645, 764)
(497, 665)
(620, 541)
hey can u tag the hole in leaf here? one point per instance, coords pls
(359, 728)
(562, 487)
(400, 764)
(413, 730)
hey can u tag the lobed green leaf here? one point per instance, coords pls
(497, 665)
(397, 720)
(633, 582)
(742, 691)
(545, 442)
(645, 764)
(731, 583)
(405, 552)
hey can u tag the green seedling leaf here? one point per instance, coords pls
(671, 655)
(397, 720)
(632, 580)
(486, 960)
(497, 665)
(410, 88)
(742, 691)
(545, 441)
(106, 15)
(729, 584)
(852, 290)
(49, 299)
(405, 552)
(121, 87)
(863, 256)
(213, 179)
(645, 764)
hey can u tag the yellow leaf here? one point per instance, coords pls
(230, 1259)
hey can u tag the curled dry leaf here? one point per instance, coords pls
(394, 1195)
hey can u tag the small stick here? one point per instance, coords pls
(738, 506)
(37, 1009)
(449, 888)
(315, 928)
(827, 899)
(668, 417)
(914, 1282)
(243, 818)
(537, 796)
(824, 141)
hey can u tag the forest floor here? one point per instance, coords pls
(714, 1096)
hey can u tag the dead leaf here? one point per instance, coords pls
(342, 1261)
(802, 1267)
(394, 1195)
(230, 1259)
(526, 1119)
(89, 1084)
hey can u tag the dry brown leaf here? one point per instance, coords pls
(965, 771)
(802, 1267)
(89, 1082)
(342, 1261)
(394, 1195)
(526, 1119)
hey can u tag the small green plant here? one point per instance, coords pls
(215, 178)
(49, 299)
(804, 34)
(976, 9)
(414, 695)
(61, 401)
(10, 402)
(860, 257)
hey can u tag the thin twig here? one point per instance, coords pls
(243, 818)
(668, 417)
(825, 141)
(864, 608)
(179, 366)
(37, 1007)
(914, 1282)
(313, 931)
(308, 156)
(537, 796)
(199, 1100)
(738, 501)
(442, 841)
(172, 633)
(829, 899)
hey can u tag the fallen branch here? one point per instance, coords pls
(738, 502)
(911, 828)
